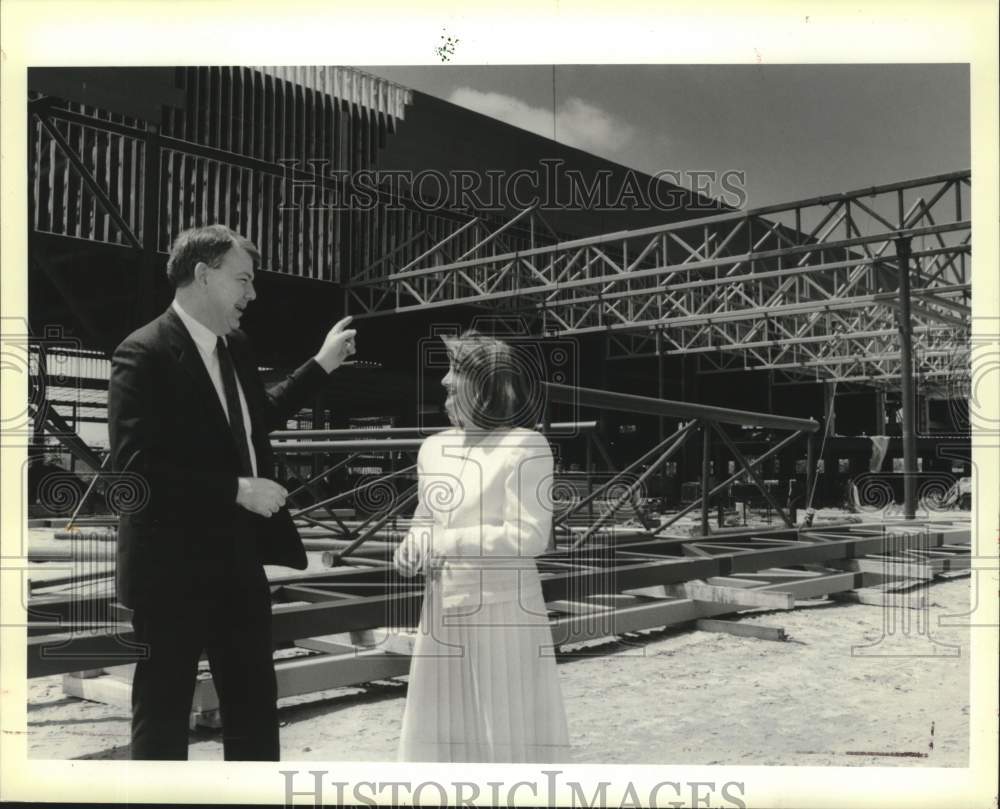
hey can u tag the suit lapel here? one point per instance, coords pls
(191, 363)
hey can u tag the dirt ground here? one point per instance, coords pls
(673, 696)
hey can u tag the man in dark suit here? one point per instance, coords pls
(189, 413)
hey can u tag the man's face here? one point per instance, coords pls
(228, 290)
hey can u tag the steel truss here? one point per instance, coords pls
(811, 287)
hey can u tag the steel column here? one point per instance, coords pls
(145, 309)
(810, 469)
(879, 412)
(706, 454)
(906, 380)
(37, 448)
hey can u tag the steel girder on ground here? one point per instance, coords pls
(578, 586)
(810, 287)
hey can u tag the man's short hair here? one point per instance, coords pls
(498, 379)
(208, 244)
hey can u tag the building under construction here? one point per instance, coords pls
(843, 321)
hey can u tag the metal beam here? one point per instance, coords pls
(612, 400)
(357, 445)
(556, 428)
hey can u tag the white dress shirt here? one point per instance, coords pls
(205, 339)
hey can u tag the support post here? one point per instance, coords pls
(810, 468)
(660, 423)
(879, 412)
(659, 388)
(686, 465)
(37, 449)
(146, 307)
(706, 455)
(906, 381)
(317, 424)
(590, 478)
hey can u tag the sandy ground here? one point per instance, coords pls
(673, 696)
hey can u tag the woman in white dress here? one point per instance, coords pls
(483, 683)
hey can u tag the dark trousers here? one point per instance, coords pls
(232, 625)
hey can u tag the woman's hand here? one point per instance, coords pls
(409, 558)
(424, 551)
(417, 554)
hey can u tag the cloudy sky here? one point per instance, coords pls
(796, 130)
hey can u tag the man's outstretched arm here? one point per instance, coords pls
(286, 397)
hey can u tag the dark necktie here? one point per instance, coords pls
(233, 406)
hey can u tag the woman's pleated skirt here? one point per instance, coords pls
(483, 683)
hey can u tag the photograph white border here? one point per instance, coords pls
(82, 32)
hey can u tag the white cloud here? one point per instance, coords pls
(578, 123)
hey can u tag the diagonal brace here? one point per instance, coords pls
(95, 187)
(692, 506)
(752, 473)
(678, 440)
